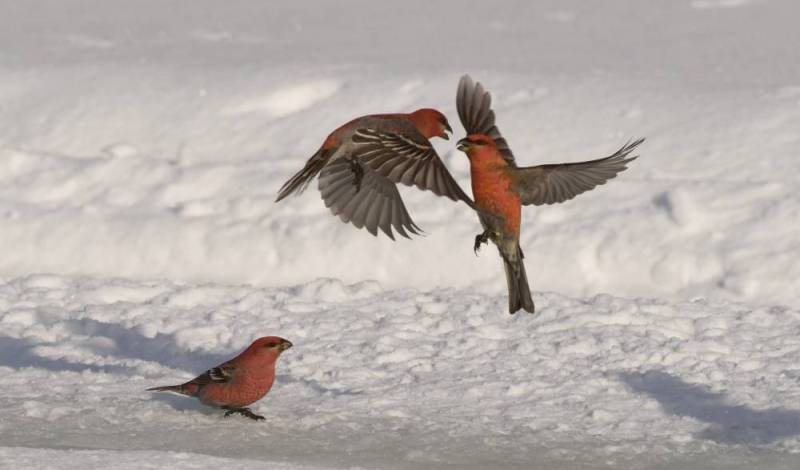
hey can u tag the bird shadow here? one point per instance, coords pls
(104, 340)
(18, 354)
(728, 423)
(112, 340)
(130, 343)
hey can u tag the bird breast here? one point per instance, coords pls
(491, 186)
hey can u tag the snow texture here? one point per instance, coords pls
(141, 148)
(385, 378)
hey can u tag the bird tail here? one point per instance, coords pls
(182, 389)
(302, 178)
(519, 292)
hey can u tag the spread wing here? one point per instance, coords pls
(220, 374)
(474, 106)
(550, 184)
(406, 158)
(376, 205)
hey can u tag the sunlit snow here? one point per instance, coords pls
(142, 145)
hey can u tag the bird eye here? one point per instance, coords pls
(270, 345)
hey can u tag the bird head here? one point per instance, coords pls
(431, 123)
(270, 345)
(475, 143)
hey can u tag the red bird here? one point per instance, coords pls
(239, 382)
(500, 187)
(360, 163)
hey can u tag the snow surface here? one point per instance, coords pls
(141, 148)
(399, 378)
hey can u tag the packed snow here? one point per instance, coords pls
(141, 148)
(398, 378)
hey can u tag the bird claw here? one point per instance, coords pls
(358, 174)
(244, 412)
(480, 239)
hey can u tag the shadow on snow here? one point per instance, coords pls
(109, 340)
(729, 423)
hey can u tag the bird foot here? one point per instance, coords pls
(358, 174)
(244, 412)
(480, 239)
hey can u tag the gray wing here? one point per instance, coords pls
(551, 184)
(220, 374)
(474, 105)
(406, 158)
(377, 205)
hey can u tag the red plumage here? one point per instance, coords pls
(360, 163)
(501, 187)
(492, 184)
(239, 382)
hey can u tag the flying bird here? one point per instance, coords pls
(239, 382)
(501, 188)
(360, 163)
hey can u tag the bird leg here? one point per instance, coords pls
(358, 173)
(480, 239)
(244, 412)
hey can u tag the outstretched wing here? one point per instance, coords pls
(551, 184)
(406, 158)
(474, 105)
(377, 204)
(220, 374)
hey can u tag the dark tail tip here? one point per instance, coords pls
(302, 178)
(296, 183)
(165, 388)
(519, 292)
(521, 299)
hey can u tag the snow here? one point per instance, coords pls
(20, 457)
(141, 148)
(430, 378)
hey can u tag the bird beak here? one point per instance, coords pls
(285, 345)
(447, 129)
(463, 145)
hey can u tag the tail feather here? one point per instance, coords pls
(519, 292)
(169, 388)
(300, 181)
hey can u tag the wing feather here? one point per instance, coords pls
(406, 158)
(551, 184)
(377, 205)
(220, 374)
(474, 105)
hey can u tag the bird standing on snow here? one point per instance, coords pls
(500, 187)
(239, 382)
(360, 163)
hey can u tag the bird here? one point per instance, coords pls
(360, 163)
(239, 382)
(500, 187)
